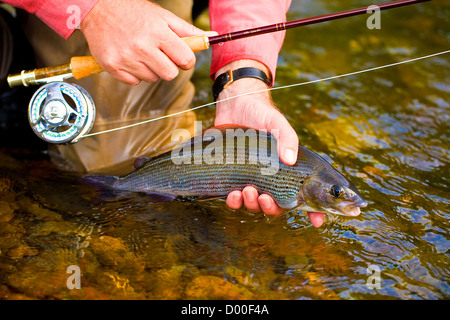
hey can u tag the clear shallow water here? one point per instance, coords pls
(386, 130)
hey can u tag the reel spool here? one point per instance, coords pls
(61, 112)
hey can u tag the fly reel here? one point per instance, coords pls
(61, 112)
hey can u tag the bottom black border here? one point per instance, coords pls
(223, 309)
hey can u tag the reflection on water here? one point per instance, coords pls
(387, 130)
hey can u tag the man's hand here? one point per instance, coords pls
(257, 203)
(257, 111)
(138, 40)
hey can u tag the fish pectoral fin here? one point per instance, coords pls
(306, 208)
(159, 197)
(288, 204)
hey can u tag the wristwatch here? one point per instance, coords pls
(226, 78)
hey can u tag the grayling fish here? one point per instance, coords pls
(224, 159)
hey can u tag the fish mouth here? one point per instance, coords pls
(351, 208)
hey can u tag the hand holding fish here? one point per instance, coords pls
(138, 41)
(257, 111)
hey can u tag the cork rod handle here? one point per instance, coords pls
(197, 43)
(85, 66)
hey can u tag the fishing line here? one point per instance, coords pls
(270, 89)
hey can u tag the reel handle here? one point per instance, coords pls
(81, 67)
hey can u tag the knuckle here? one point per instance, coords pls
(110, 63)
(127, 78)
(187, 62)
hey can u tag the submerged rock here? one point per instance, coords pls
(6, 211)
(212, 287)
(21, 251)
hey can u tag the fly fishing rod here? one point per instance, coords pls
(55, 120)
(80, 67)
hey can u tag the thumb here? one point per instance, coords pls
(287, 140)
(181, 27)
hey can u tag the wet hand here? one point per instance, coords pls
(255, 203)
(257, 111)
(138, 40)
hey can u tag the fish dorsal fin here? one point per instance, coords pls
(229, 126)
(223, 127)
(140, 162)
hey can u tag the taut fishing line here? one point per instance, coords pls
(270, 89)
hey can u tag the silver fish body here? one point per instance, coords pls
(213, 165)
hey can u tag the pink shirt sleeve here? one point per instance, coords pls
(233, 15)
(63, 16)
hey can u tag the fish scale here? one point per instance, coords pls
(188, 180)
(162, 175)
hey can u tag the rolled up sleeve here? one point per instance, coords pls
(63, 16)
(234, 15)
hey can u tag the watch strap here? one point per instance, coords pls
(226, 78)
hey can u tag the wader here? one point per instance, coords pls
(117, 104)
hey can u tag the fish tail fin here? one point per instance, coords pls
(107, 190)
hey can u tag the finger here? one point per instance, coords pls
(143, 72)
(316, 218)
(269, 206)
(177, 49)
(125, 77)
(288, 145)
(179, 52)
(251, 199)
(181, 27)
(235, 200)
(161, 65)
(211, 33)
(133, 71)
(119, 70)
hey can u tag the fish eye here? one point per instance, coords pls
(336, 191)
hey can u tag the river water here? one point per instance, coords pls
(387, 130)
